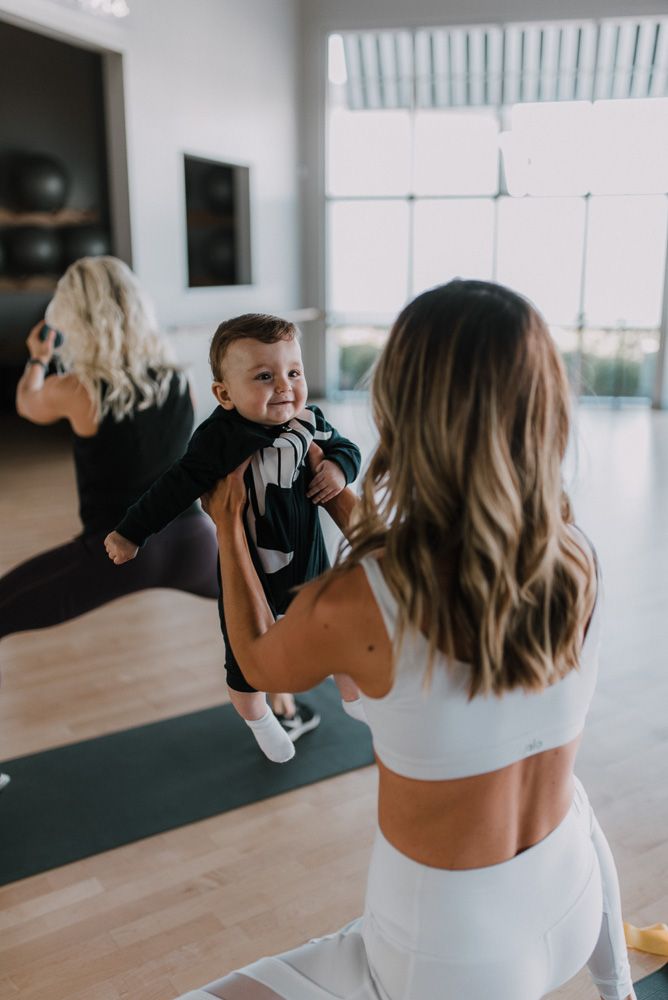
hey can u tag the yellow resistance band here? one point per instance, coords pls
(653, 939)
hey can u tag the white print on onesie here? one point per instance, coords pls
(279, 464)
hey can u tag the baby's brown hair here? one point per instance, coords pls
(250, 326)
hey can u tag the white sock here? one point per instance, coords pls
(271, 738)
(355, 709)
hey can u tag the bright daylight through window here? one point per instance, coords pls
(533, 155)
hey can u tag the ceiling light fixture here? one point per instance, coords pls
(110, 8)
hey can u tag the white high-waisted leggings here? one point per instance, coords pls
(512, 931)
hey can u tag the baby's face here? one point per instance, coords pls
(264, 382)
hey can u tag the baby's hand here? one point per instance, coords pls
(120, 550)
(327, 482)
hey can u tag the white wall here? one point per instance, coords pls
(216, 78)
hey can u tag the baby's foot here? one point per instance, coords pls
(271, 738)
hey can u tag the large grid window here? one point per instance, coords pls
(436, 170)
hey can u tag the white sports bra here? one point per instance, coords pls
(437, 733)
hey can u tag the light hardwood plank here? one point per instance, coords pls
(155, 918)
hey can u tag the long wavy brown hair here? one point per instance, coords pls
(464, 491)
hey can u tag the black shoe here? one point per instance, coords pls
(303, 721)
(5, 779)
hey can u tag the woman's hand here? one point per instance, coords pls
(41, 350)
(39, 398)
(226, 501)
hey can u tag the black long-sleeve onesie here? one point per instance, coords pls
(282, 524)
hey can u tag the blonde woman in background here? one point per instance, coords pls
(128, 406)
(467, 610)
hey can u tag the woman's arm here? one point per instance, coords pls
(341, 509)
(250, 615)
(321, 630)
(33, 400)
(42, 399)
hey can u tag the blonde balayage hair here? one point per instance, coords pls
(464, 491)
(111, 338)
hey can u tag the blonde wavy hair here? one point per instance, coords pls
(111, 338)
(464, 490)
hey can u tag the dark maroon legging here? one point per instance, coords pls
(65, 582)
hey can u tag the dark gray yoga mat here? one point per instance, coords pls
(654, 986)
(73, 801)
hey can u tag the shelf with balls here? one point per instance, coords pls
(201, 218)
(11, 218)
(39, 234)
(35, 283)
(217, 216)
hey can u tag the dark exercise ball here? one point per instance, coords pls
(219, 189)
(40, 183)
(220, 256)
(86, 241)
(35, 250)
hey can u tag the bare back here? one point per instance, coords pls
(456, 823)
(59, 397)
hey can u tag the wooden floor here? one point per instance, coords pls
(153, 919)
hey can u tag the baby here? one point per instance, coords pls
(261, 390)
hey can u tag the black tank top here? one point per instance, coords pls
(120, 462)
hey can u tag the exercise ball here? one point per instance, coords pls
(40, 183)
(85, 241)
(220, 256)
(219, 189)
(35, 250)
